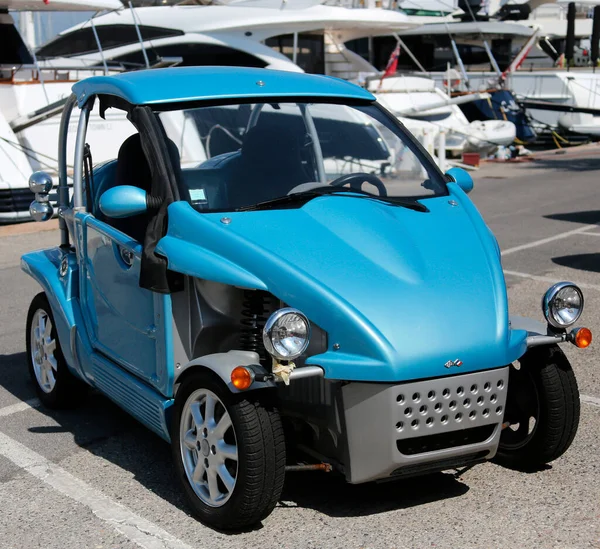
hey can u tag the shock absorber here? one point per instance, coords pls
(255, 311)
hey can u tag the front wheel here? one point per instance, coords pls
(229, 452)
(542, 409)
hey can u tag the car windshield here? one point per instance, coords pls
(275, 155)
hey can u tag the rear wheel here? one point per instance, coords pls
(542, 409)
(55, 385)
(229, 452)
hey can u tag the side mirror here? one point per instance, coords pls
(462, 178)
(40, 209)
(123, 201)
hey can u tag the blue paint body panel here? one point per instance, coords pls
(178, 84)
(126, 323)
(62, 293)
(401, 292)
(147, 399)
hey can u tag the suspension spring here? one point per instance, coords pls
(255, 310)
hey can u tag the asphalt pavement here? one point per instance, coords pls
(94, 478)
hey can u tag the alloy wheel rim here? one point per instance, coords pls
(43, 347)
(208, 447)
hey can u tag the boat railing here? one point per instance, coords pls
(31, 74)
(364, 4)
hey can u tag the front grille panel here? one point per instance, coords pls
(453, 403)
(452, 439)
(15, 200)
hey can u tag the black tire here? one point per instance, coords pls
(67, 391)
(260, 448)
(543, 387)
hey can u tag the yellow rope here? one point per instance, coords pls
(556, 141)
(489, 100)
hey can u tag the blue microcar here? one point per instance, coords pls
(273, 262)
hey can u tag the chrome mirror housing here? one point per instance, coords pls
(41, 211)
(40, 183)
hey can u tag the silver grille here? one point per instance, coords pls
(451, 403)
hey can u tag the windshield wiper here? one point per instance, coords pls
(305, 196)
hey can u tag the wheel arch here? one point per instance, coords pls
(221, 365)
(44, 267)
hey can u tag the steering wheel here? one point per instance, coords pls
(356, 180)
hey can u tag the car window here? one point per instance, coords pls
(236, 156)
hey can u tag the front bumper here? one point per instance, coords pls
(422, 426)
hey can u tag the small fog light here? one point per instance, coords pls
(242, 377)
(582, 337)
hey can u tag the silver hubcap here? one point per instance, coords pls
(43, 346)
(208, 447)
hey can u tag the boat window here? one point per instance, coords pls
(83, 40)
(192, 54)
(310, 51)
(238, 156)
(435, 117)
(13, 50)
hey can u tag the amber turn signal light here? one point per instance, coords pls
(582, 337)
(242, 377)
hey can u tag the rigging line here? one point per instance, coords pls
(41, 162)
(136, 17)
(12, 161)
(24, 148)
(582, 86)
(31, 153)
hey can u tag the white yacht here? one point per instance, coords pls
(422, 106)
(235, 35)
(573, 93)
(17, 157)
(295, 35)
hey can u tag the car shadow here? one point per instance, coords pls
(587, 217)
(330, 494)
(566, 163)
(102, 428)
(581, 262)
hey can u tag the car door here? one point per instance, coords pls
(126, 323)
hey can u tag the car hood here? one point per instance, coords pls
(400, 293)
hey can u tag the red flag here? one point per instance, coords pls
(392, 64)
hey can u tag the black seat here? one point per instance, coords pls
(132, 168)
(270, 165)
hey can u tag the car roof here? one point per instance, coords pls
(185, 84)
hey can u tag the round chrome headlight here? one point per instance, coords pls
(286, 334)
(563, 304)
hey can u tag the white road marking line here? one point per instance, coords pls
(551, 280)
(591, 234)
(587, 399)
(19, 407)
(139, 530)
(536, 243)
